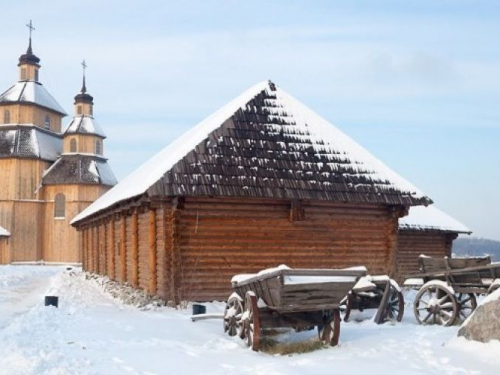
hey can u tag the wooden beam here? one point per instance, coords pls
(123, 249)
(135, 248)
(96, 248)
(111, 238)
(152, 252)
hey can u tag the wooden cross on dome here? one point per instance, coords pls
(84, 64)
(30, 26)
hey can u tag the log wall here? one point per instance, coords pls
(412, 243)
(189, 250)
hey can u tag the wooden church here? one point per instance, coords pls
(262, 181)
(47, 176)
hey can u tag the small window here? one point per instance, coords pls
(36, 75)
(60, 206)
(47, 122)
(91, 110)
(79, 109)
(98, 149)
(23, 74)
(6, 117)
(72, 145)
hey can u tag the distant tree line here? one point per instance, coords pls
(472, 246)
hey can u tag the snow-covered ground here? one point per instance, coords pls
(93, 333)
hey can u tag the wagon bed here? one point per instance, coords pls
(284, 297)
(293, 290)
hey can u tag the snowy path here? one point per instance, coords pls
(92, 333)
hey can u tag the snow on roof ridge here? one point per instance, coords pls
(328, 132)
(139, 181)
(152, 170)
(431, 218)
(84, 124)
(4, 232)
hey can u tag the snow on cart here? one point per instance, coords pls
(376, 292)
(448, 287)
(284, 297)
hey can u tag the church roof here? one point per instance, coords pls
(31, 92)
(265, 143)
(431, 218)
(86, 125)
(79, 169)
(28, 141)
(4, 232)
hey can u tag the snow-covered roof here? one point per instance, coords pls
(84, 124)
(79, 169)
(264, 143)
(31, 92)
(4, 232)
(29, 141)
(431, 218)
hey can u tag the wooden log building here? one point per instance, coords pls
(427, 231)
(47, 176)
(261, 182)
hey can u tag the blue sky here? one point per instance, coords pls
(415, 82)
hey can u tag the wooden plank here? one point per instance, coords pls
(111, 250)
(135, 250)
(123, 249)
(152, 252)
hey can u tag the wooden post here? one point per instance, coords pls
(152, 252)
(91, 248)
(105, 248)
(111, 238)
(392, 241)
(123, 249)
(175, 267)
(81, 233)
(96, 249)
(135, 249)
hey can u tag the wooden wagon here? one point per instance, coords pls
(448, 287)
(283, 297)
(376, 292)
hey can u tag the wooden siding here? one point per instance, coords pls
(412, 243)
(32, 114)
(201, 243)
(220, 239)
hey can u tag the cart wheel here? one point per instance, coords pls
(252, 322)
(330, 332)
(435, 304)
(232, 316)
(493, 287)
(466, 304)
(395, 306)
(348, 306)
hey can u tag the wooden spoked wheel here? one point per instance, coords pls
(330, 332)
(348, 306)
(232, 316)
(435, 304)
(251, 321)
(466, 304)
(395, 305)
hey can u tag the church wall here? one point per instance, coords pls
(31, 114)
(84, 143)
(61, 241)
(20, 178)
(26, 231)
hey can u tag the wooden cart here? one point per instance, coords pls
(448, 287)
(376, 292)
(298, 298)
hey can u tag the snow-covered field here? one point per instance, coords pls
(93, 333)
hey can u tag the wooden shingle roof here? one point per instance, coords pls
(266, 144)
(431, 219)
